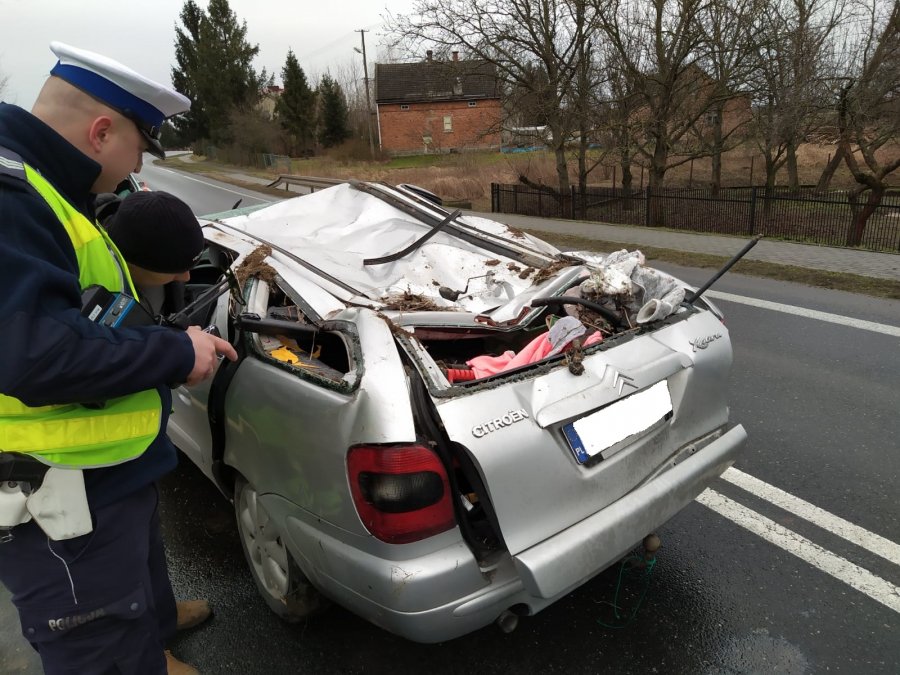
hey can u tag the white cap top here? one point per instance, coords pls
(145, 102)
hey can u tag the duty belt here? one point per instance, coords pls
(54, 498)
(18, 467)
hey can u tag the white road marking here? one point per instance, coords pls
(870, 541)
(841, 569)
(887, 329)
(217, 187)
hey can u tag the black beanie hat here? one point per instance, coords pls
(156, 231)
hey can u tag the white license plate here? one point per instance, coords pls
(591, 435)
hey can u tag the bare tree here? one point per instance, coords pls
(657, 44)
(731, 38)
(791, 83)
(618, 120)
(589, 80)
(520, 38)
(349, 75)
(869, 112)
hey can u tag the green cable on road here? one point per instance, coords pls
(645, 570)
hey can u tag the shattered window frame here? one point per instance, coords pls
(344, 330)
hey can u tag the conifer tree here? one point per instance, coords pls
(214, 69)
(333, 113)
(296, 108)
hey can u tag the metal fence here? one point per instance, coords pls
(281, 163)
(233, 155)
(803, 215)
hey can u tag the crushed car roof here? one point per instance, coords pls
(340, 233)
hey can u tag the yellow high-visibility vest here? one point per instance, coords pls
(73, 436)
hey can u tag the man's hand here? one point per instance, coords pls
(207, 348)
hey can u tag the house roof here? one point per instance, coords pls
(435, 81)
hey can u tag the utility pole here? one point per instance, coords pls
(362, 35)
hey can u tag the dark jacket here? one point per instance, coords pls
(49, 353)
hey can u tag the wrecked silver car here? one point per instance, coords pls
(437, 421)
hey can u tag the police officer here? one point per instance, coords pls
(84, 562)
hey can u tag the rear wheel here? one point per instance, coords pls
(282, 585)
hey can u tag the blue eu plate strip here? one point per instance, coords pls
(575, 443)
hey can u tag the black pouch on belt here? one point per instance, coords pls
(15, 466)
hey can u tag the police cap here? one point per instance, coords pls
(143, 101)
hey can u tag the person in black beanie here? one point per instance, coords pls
(160, 239)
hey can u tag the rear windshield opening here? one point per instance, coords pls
(471, 355)
(455, 348)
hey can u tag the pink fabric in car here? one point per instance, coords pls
(485, 366)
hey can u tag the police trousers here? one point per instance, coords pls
(99, 604)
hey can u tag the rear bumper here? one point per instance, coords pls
(441, 595)
(569, 558)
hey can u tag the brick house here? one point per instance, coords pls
(437, 106)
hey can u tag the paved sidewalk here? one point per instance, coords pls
(832, 259)
(866, 263)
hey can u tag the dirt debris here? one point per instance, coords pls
(592, 319)
(491, 263)
(549, 271)
(512, 267)
(255, 265)
(412, 302)
(575, 358)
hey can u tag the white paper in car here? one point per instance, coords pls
(598, 431)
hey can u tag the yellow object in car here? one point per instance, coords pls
(285, 354)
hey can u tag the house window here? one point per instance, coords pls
(448, 123)
(472, 104)
(404, 106)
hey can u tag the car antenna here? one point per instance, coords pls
(715, 277)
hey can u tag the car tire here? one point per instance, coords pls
(282, 585)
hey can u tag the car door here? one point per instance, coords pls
(189, 426)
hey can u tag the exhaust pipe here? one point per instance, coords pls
(507, 621)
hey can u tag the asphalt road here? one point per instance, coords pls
(204, 195)
(733, 592)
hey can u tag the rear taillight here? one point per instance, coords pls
(401, 493)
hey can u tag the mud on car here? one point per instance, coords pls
(436, 420)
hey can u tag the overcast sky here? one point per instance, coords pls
(141, 34)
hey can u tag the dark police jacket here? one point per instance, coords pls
(49, 353)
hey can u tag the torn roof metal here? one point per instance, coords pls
(329, 234)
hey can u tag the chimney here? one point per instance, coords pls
(455, 55)
(428, 55)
